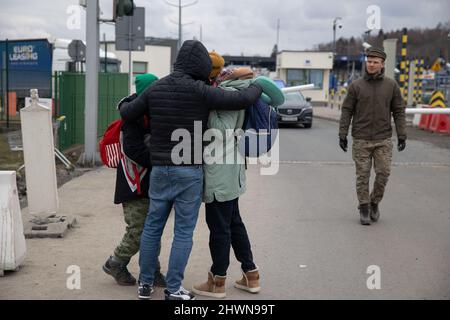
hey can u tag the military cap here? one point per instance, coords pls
(376, 52)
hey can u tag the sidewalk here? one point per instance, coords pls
(99, 228)
(327, 113)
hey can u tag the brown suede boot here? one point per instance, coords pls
(249, 281)
(214, 287)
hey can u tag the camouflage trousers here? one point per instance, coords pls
(135, 212)
(364, 151)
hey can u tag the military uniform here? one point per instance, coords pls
(369, 104)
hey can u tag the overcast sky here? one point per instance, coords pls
(229, 26)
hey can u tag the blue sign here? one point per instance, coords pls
(30, 66)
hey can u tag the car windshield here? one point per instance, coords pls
(294, 97)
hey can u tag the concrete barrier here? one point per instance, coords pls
(12, 239)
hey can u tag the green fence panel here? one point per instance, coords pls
(71, 88)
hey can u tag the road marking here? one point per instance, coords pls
(342, 163)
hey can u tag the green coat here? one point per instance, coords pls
(225, 182)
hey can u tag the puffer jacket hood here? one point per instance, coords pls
(193, 59)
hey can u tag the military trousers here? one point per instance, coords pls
(363, 153)
(135, 212)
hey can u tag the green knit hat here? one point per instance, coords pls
(142, 81)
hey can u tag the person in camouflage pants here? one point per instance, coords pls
(135, 213)
(368, 106)
(363, 153)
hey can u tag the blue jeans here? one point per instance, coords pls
(181, 187)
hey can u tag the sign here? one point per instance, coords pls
(436, 65)
(30, 66)
(130, 31)
(437, 99)
(77, 50)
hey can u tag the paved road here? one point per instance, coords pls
(303, 224)
(310, 219)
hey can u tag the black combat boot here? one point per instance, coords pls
(118, 270)
(364, 214)
(374, 212)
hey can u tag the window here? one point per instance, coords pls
(297, 77)
(316, 77)
(139, 67)
(294, 97)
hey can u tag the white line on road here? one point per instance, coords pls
(348, 163)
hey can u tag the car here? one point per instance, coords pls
(296, 110)
(280, 83)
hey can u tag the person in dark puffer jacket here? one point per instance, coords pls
(131, 194)
(182, 100)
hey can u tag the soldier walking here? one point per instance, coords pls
(369, 103)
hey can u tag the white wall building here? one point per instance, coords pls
(305, 67)
(157, 58)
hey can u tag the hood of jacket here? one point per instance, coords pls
(193, 59)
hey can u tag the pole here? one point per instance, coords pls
(3, 113)
(403, 83)
(106, 53)
(278, 32)
(90, 156)
(334, 37)
(130, 67)
(411, 73)
(180, 26)
(7, 84)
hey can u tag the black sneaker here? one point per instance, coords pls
(118, 270)
(160, 280)
(181, 294)
(145, 291)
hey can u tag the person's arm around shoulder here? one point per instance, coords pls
(347, 111)
(399, 115)
(134, 145)
(219, 99)
(133, 109)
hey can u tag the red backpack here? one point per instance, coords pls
(109, 145)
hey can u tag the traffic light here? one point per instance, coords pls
(123, 8)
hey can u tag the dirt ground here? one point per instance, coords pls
(13, 160)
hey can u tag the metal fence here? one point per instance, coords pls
(70, 102)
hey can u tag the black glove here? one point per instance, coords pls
(343, 144)
(401, 145)
(129, 98)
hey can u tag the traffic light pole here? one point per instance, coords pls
(90, 157)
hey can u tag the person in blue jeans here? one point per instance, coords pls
(180, 101)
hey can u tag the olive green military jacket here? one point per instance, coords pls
(369, 104)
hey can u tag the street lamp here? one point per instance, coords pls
(339, 25)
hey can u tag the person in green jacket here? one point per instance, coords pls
(370, 104)
(224, 184)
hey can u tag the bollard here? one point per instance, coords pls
(39, 156)
(12, 239)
